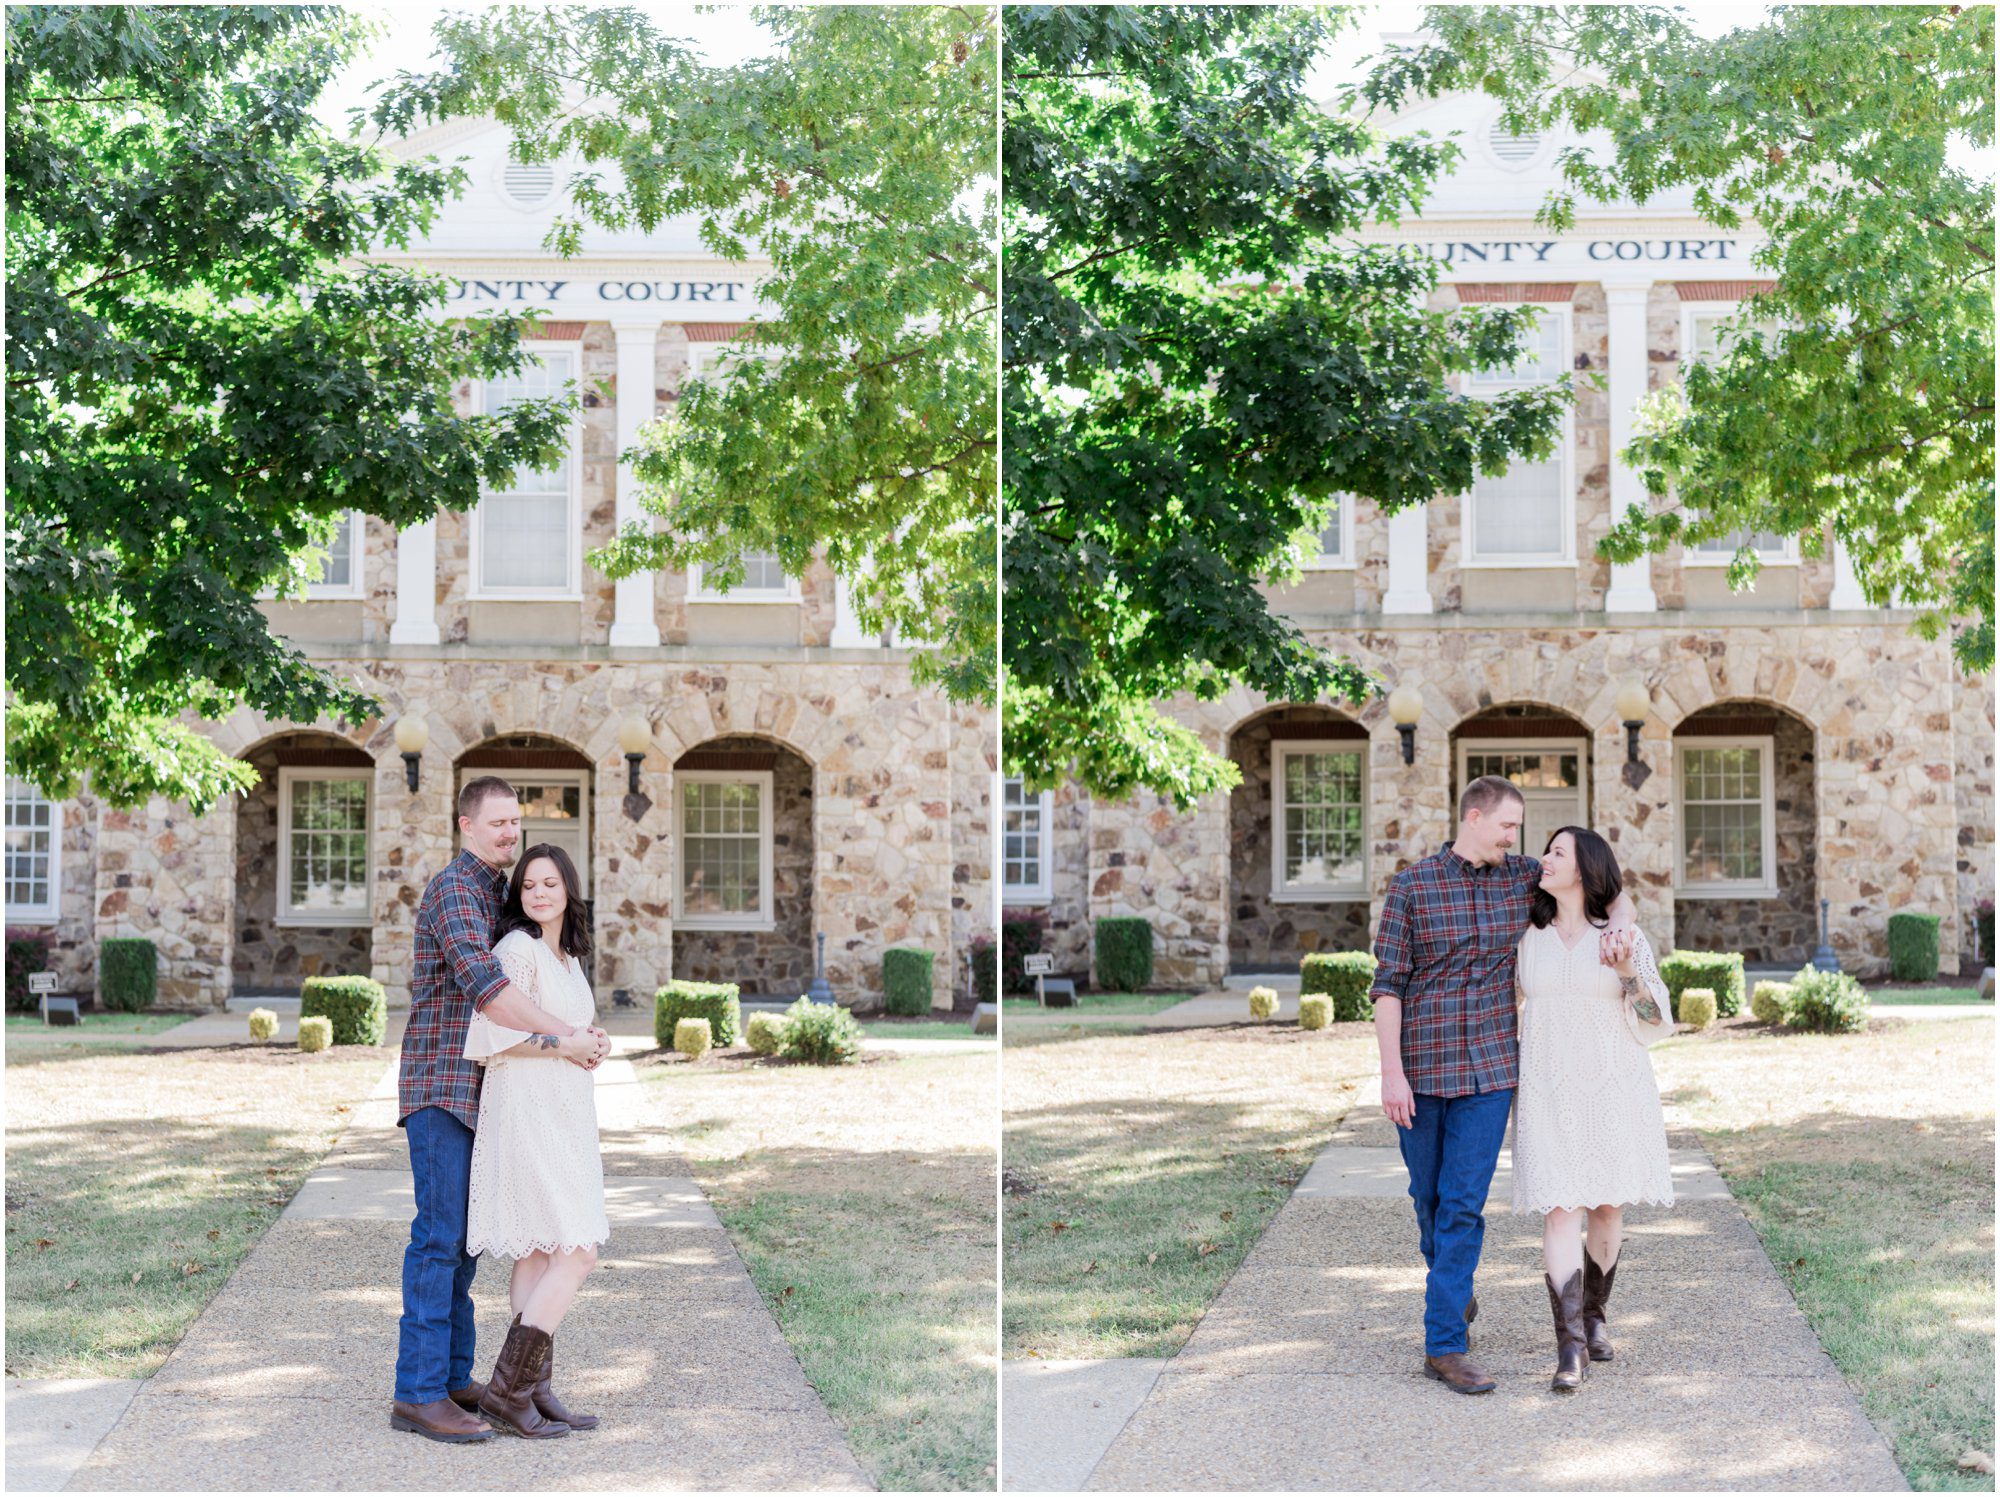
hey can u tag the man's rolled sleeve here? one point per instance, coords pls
(1392, 945)
(466, 935)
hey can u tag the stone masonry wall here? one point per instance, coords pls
(1972, 789)
(73, 957)
(974, 758)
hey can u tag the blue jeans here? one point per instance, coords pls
(434, 1346)
(1450, 1150)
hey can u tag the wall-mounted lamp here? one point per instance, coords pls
(1406, 706)
(635, 736)
(412, 733)
(1634, 702)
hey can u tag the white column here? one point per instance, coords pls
(633, 621)
(1631, 581)
(847, 630)
(1409, 561)
(416, 585)
(1846, 584)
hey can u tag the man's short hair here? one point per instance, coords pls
(1486, 792)
(477, 792)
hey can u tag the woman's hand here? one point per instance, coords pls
(1614, 949)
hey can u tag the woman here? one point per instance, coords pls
(537, 1193)
(1589, 1137)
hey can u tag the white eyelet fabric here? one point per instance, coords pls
(537, 1173)
(1587, 1129)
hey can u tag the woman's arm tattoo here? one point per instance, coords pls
(546, 1041)
(1642, 1001)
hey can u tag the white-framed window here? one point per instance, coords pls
(323, 846)
(1319, 820)
(1706, 338)
(1526, 517)
(1549, 773)
(1725, 804)
(1027, 873)
(723, 826)
(555, 807)
(764, 581)
(1336, 538)
(341, 577)
(526, 539)
(34, 855)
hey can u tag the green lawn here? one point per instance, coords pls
(861, 1200)
(1865, 1162)
(137, 1183)
(1096, 1003)
(955, 1028)
(1140, 1168)
(1890, 997)
(96, 1024)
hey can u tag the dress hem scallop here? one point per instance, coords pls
(514, 1250)
(1541, 1210)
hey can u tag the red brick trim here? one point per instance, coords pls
(713, 332)
(1286, 732)
(494, 757)
(326, 757)
(567, 331)
(1522, 727)
(1513, 291)
(744, 760)
(1721, 290)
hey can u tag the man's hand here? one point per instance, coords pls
(1398, 1105)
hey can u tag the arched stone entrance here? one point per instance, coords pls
(743, 861)
(1747, 819)
(305, 865)
(554, 782)
(1298, 838)
(1542, 750)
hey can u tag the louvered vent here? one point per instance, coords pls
(528, 183)
(1510, 149)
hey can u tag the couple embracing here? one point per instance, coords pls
(1520, 985)
(497, 1101)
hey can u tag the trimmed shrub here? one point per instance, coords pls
(1020, 938)
(1697, 1007)
(315, 1034)
(1345, 977)
(1913, 946)
(985, 970)
(28, 952)
(822, 1034)
(692, 1038)
(263, 1025)
(1124, 953)
(1315, 1011)
(1721, 972)
(906, 980)
(1263, 1002)
(357, 1006)
(1827, 1003)
(717, 1002)
(1769, 1001)
(128, 973)
(1982, 914)
(765, 1033)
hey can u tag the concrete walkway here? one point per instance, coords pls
(1305, 1373)
(284, 1381)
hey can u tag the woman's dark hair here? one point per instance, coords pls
(576, 913)
(1596, 865)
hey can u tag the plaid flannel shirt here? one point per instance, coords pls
(456, 974)
(1446, 946)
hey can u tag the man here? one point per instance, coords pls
(1445, 1023)
(438, 1107)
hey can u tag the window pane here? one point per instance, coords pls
(524, 539)
(1321, 817)
(1021, 828)
(1519, 513)
(1330, 537)
(339, 570)
(327, 870)
(1540, 359)
(721, 855)
(1722, 798)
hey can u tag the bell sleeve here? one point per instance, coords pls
(484, 1038)
(1651, 985)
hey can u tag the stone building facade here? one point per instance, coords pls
(798, 784)
(1801, 743)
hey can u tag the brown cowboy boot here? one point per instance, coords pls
(1471, 1314)
(468, 1397)
(440, 1419)
(550, 1405)
(1458, 1372)
(509, 1399)
(1571, 1361)
(1596, 1290)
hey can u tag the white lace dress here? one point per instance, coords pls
(1587, 1124)
(537, 1172)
